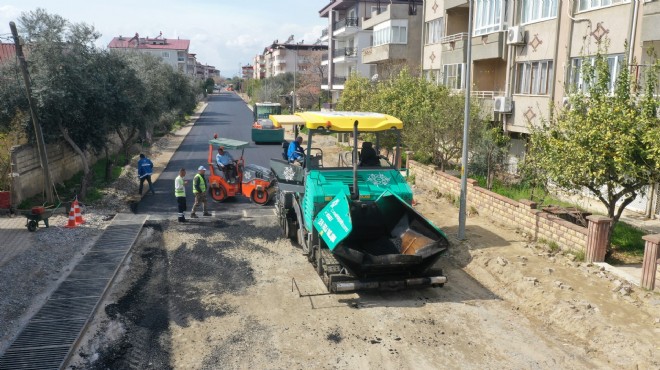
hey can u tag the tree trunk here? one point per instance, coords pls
(83, 158)
(108, 165)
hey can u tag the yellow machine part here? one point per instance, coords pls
(339, 121)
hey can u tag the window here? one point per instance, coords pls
(595, 4)
(375, 10)
(488, 16)
(434, 31)
(576, 78)
(452, 76)
(390, 35)
(534, 78)
(536, 10)
(166, 54)
(434, 75)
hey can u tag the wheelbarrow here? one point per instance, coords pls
(37, 214)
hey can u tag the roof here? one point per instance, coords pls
(228, 143)
(7, 51)
(340, 121)
(159, 43)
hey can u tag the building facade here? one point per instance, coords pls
(259, 71)
(396, 38)
(280, 58)
(172, 51)
(526, 54)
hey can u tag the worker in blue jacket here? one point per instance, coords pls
(145, 170)
(295, 153)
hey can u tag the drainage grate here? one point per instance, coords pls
(46, 342)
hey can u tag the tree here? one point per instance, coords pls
(64, 65)
(606, 142)
(432, 116)
(488, 153)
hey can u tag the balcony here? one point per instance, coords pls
(383, 53)
(337, 83)
(345, 27)
(344, 55)
(453, 48)
(392, 11)
(489, 46)
(450, 4)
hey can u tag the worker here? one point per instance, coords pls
(225, 163)
(145, 170)
(199, 190)
(296, 154)
(180, 193)
(368, 155)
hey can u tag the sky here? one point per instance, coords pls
(223, 33)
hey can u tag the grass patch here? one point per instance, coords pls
(627, 244)
(523, 191)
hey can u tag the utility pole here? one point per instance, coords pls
(41, 145)
(466, 125)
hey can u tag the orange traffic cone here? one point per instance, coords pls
(72, 219)
(79, 219)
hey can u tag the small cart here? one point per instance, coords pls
(37, 214)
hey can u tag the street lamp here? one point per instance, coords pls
(295, 72)
(466, 125)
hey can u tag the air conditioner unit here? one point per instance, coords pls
(515, 35)
(502, 104)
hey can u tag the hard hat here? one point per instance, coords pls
(201, 168)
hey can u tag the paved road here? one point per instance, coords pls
(228, 116)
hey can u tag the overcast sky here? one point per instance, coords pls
(223, 33)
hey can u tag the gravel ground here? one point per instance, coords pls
(31, 276)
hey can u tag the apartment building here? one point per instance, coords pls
(172, 51)
(526, 54)
(247, 72)
(280, 58)
(346, 38)
(259, 71)
(396, 37)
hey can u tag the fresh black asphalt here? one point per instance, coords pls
(228, 116)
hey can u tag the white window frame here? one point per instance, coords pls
(534, 77)
(165, 54)
(489, 16)
(532, 11)
(390, 35)
(586, 5)
(576, 79)
(452, 76)
(434, 31)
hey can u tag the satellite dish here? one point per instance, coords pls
(374, 78)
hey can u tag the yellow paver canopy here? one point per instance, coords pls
(340, 121)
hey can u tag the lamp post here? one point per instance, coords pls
(466, 125)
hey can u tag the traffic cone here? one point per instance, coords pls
(72, 219)
(79, 219)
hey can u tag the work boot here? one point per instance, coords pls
(207, 214)
(192, 215)
(182, 219)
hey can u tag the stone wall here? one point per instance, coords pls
(27, 175)
(523, 214)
